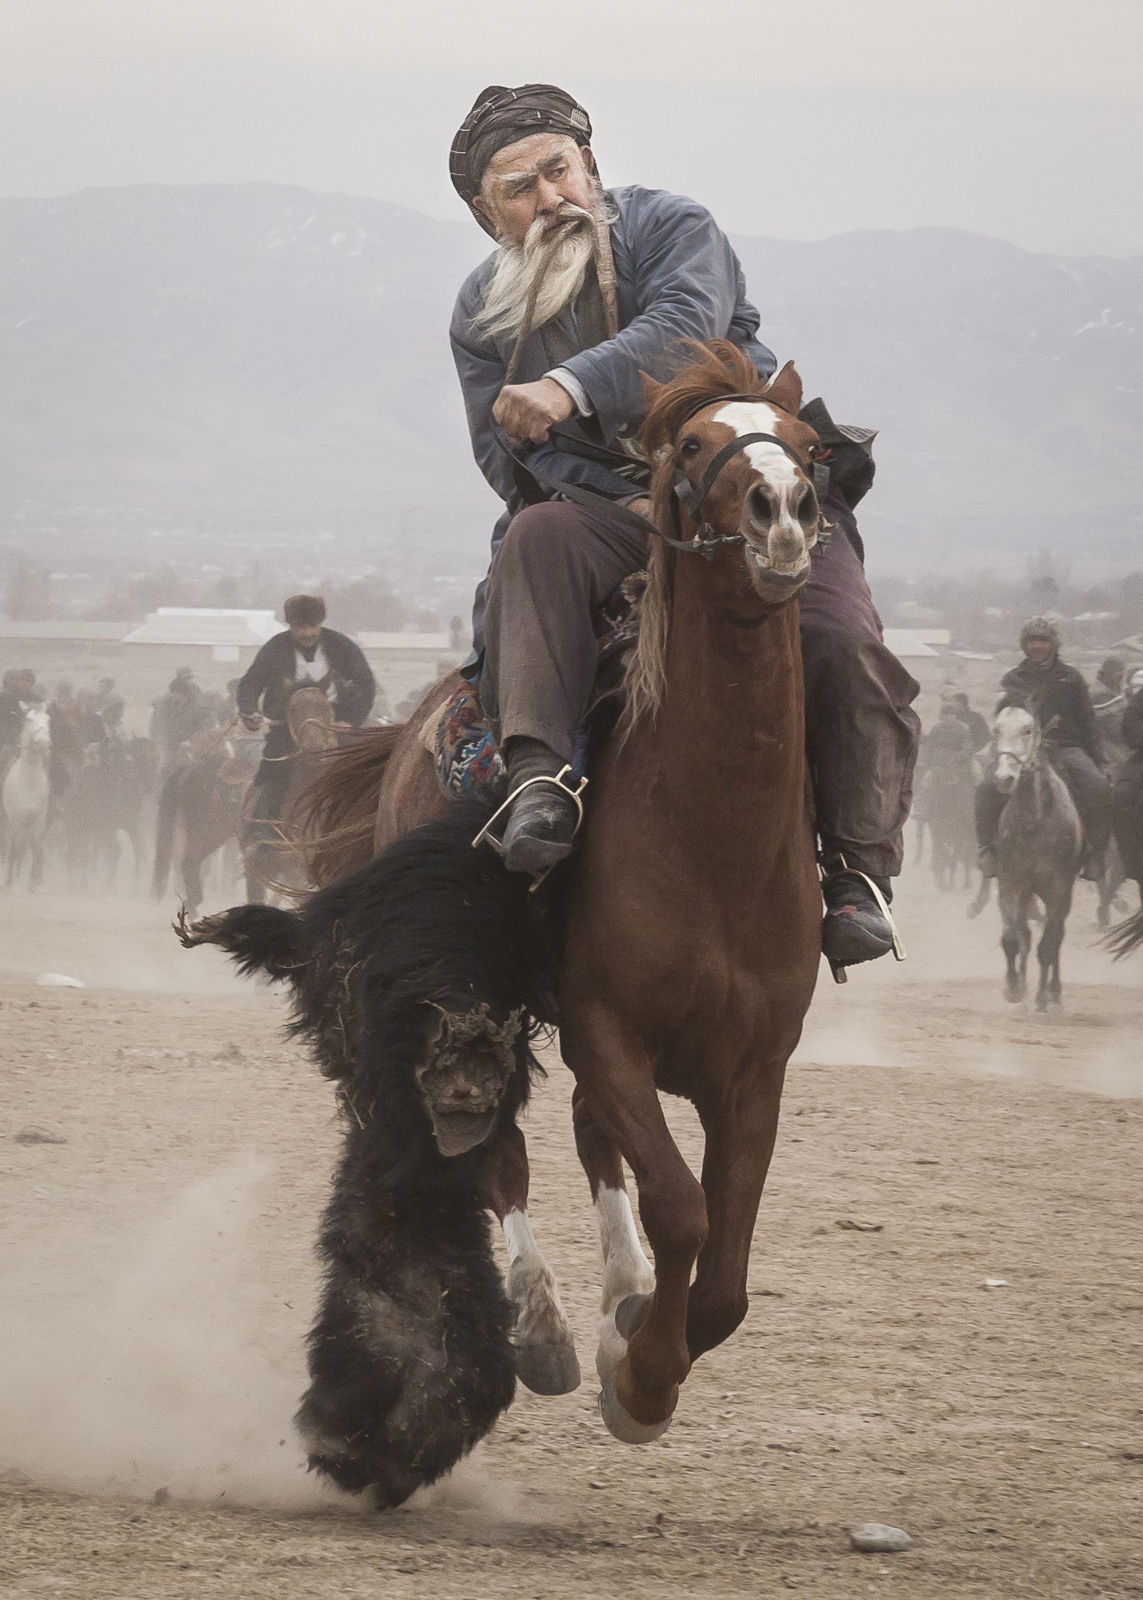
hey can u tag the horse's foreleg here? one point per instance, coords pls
(626, 1270)
(617, 1079)
(740, 1136)
(1048, 954)
(1015, 941)
(545, 1350)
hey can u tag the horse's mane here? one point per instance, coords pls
(718, 368)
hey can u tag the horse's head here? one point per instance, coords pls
(36, 733)
(1017, 736)
(310, 718)
(717, 482)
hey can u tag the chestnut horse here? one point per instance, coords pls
(693, 937)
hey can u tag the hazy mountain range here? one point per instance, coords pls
(211, 371)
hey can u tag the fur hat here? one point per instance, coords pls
(1040, 628)
(304, 611)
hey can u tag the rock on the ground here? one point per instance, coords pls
(879, 1536)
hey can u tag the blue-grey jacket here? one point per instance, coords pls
(677, 278)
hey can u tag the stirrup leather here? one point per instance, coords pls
(846, 871)
(486, 836)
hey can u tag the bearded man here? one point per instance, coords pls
(589, 289)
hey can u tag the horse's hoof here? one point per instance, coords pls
(548, 1368)
(621, 1424)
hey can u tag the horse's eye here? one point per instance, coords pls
(691, 448)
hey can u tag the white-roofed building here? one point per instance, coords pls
(227, 633)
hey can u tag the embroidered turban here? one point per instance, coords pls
(500, 117)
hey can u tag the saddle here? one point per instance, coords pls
(461, 738)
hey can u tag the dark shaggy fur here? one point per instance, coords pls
(410, 1356)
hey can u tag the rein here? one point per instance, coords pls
(684, 493)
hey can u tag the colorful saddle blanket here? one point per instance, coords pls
(463, 745)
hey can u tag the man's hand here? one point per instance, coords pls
(253, 720)
(529, 410)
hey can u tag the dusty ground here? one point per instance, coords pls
(157, 1283)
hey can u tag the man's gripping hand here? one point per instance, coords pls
(529, 410)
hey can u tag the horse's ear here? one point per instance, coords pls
(650, 388)
(786, 389)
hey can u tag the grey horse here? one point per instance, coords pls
(1038, 853)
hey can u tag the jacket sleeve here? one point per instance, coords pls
(1086, 725)
(481, 370)
(1131, 728)
(688, 285)
(357, 686)
(254, 682)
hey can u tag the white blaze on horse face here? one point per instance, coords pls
(1016, 744)
(787, 545)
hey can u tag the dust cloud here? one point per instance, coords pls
(153, 1378)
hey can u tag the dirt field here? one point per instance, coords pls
(157, 1284)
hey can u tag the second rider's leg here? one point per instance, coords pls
(861, 742)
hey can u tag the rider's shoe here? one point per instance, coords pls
(855, 927)
(541, 826)
(543, 818)
(986, 860)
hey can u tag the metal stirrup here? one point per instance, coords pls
(485, 836)
(846, 871)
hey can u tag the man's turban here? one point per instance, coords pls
(304, 610)
(501, 117)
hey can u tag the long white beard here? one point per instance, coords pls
(517, 267)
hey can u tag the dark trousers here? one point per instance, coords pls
(1087, 786)
(556, 566)
(268, 794)
(1128, 816)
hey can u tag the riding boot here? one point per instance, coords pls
(543, 820)
(855, 927)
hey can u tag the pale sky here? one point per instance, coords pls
(1017, 118)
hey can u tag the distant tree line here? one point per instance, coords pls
(984, 611)
(367, 602)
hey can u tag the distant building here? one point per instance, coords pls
(227, 633)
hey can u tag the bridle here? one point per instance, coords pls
(691, 496)
(684, 493)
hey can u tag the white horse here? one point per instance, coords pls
(25, 797)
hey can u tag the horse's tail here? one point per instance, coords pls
(165, 820)
(1126, 936)
(333, 822)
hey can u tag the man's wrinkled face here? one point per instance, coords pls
(305, 634)
(1039, 651)
(533, 178)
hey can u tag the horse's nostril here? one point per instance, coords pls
(758, 506)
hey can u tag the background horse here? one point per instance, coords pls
(201, 804)
(269, 847)
(693, 921)
(1038, 853)
(109, 794)
(26, 795)
(948, 812)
